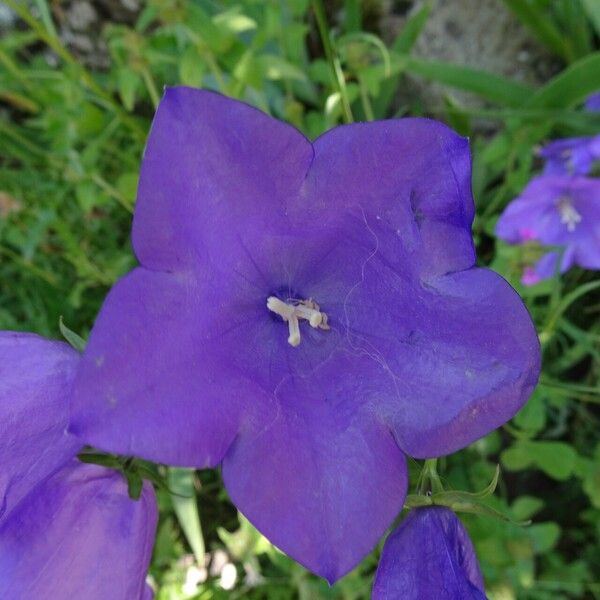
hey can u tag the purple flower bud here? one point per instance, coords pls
(304, 313)
(79, 535)
(429, 557)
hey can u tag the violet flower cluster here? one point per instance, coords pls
(560, 209)
(305, 315)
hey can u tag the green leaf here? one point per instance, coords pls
(128, 82)
(592, 10)
(556, 459)
(403, 44)
(134, 484)
(541, 25)
(525, 507)
(532, 417)
(494, 88)
(75, 340)
(234, 21)
(516, 458)
(413, 27)
(544, 536)
(181, 483)
(191, 67)
(570, 86)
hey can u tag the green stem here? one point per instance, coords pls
(332, 59)
(429, 480)
(366, 102)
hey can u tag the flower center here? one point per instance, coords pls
(294, 310)
(568, 214)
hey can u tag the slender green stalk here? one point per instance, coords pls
(332, 59)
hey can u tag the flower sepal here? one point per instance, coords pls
(460, 501)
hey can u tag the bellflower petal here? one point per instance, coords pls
(572, 156)
(150, 375)
(79, 535)
(35, 380)
(469, 326)
(225, 163)
(312, 473)
(557, 211)
(429, 557)
(281, 279)
(386, 168)
(592, 104)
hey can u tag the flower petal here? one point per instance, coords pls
(412, 174)
(212, 168)
(429, 556)
(462, 351)
(149, 384)
(317, 468)
(35, 380)
(79, 535)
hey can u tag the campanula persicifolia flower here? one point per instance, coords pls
(304, 314)
(67, 530)
(429, 557)
(556, 211)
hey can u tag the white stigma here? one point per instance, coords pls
(568, 214)
(294, 310)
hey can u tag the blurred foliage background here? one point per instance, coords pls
(79, 82)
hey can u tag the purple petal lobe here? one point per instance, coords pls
(461, 350)
(316, 473)
(149, 384)
(414, 175)
(429, 557)
(79, 535)
(35, 381)
(211, 164)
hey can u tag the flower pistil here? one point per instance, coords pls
(294, 310)
(568, 213)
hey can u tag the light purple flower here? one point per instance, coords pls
(67, 530)
(304, 314)
(571, 156)
(592, 104)
(556, 211)
(429, 557)
(35, 380)
(79, 535)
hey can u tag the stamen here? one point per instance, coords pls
(294, 310)
(568, 214)
(294, 326)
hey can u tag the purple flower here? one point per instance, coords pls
(67, 530)
(556, 211)
(35, 379)
(304, 314)
(592, 104)
(79, 535)
(429, 557)
(571, 156)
